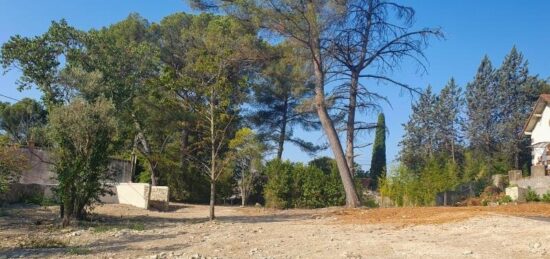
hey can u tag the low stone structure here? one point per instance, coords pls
(159, 197)
(516, 193)
(39, 180)
(20, 192)
(460, 193)
(137, 194)
(538, 182)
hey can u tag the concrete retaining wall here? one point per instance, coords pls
(538, 181)
(135, 194)
(19, 192)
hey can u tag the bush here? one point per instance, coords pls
(532, 195)
(410, 188)
(295, 185)
(278, 188)
(546, 197)
(506, 199)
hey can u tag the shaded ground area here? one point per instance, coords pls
(119, 231)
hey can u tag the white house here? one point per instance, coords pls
(538, 127)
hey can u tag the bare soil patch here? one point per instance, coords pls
(438, 215)
(119, 231)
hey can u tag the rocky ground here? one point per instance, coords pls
(118, 231)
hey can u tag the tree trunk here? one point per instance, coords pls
(282, 135)
(351, 195)
(243, 196)
(350, 125)
(68, 208)
(184, 146)
(146, 150)
(212, 198)
(213, 156)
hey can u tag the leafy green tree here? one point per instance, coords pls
(378, 162)
(81, 134)
(245, 158)
(310, 25)
(21, 119)
(39, 60)
(217, 74)
(12, 163)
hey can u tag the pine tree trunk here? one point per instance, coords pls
(282, 135)
(351, 195)
(350, 125)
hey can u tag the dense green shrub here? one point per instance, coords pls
(278, 189)
(531, 195)
(295, 185)
(506, 199)
(546, 197)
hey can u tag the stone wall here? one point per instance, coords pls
(40, 170)
(20, 192)
(159, 197)
(538, 181)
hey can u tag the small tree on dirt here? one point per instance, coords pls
(246, 158)
(81, 135)
(12, 163)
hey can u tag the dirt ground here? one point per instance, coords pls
(119, 231)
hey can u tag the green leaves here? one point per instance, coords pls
(82, 136)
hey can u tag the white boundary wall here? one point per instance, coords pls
(135, 194)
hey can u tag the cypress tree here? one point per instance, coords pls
(378, 162)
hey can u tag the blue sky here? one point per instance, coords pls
(472, 30)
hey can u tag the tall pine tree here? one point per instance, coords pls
(448, 120)
(378, 162)
(514, 104)
(481, 107)
(418, 143)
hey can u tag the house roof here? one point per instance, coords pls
(542, 102)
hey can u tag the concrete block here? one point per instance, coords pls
(159, 197)
(538, 171)
(514, 175)
(135, 194)
(516, 193)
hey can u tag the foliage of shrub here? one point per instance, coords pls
(546, 197)
(39, 199)
(79, 250)
(506, 199)
(408, 188)
(42, 242)
(295, 185)
(531, 195)
(278, 189)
